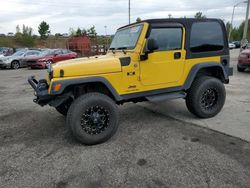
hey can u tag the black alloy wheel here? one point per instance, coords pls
(95, 120)
(206, 97)
(209, 98)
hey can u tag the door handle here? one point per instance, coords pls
(177, 55)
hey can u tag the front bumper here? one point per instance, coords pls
(4, 65)
(244, 64)
(38, 65)
(42, 96)
(40, 91)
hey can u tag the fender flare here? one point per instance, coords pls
(78, 81)
(196, 68)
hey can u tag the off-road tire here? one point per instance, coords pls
(201, 89)
(240, 69)
(77, 116)
(15, 65)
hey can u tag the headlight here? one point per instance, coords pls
(243, 56)
(6, 60)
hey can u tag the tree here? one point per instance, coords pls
(199, 15)
(138, 19)
(78, 32)
(24, 38)
(18, 29)
(43, 30)
(72, 32)
(228, 27)
(91, 32)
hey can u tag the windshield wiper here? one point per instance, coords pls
(113, 50)
(123, 49)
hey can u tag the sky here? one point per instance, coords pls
(63, 14)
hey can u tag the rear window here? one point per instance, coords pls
(206, 36)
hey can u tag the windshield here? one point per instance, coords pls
(126, 38)
(19, 53)
(46, 52)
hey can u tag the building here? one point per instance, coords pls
(81, 45)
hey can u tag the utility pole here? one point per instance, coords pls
(129, 11)
(106, 46)
(231, 26)
(244, 39)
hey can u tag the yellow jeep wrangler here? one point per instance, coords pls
(153, 60)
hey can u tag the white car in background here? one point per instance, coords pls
(231, 46)
(10, 34)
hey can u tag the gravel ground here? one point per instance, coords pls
(148, 150)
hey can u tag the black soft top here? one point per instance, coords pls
(184, 21)
(187, 24)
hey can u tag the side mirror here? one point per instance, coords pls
(152, 45)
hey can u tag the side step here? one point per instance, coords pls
(166, 96)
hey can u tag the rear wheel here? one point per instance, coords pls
(93, 118)
(15, 65)
(206, 97)
(240, 69)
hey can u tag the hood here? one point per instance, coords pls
(9, 58)
(87, 66)
(37, 58)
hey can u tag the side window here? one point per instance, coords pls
(58, 52)
(65, 51)
(167, 38)
(36, 53)
(206, 36)
(29, 53)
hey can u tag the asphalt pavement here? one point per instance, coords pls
(150, 148)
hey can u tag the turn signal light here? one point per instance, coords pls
(57, 87)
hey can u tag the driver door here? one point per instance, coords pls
(166, 64)
(57, 56)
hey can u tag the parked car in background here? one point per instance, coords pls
(17, 60)
(10, 34)
(244, 59)
(65, 35)
(237, 44)
(245, 46)
(231, 46)
(5, 51)
(50, 56)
